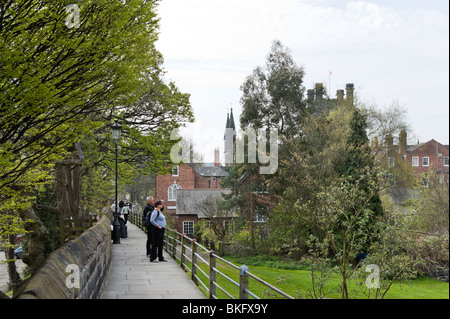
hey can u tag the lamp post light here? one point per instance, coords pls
(116, 130)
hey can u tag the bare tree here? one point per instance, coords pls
(218, 217)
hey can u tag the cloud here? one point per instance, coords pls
(390, 50)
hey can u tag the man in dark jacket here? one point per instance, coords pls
(148, 209)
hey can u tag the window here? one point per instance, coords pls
(172, 192)
(261, 188)
(446, 161)
(175, 171)
(260, 214)
(259, 218)
(415, 161)
(425, 161)
(188, 228)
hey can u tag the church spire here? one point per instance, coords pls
(231, 124)
(230, 139)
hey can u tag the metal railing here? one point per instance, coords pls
(201, 263)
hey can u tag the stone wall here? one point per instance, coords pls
(90, 254)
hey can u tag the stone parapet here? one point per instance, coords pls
(86, 259)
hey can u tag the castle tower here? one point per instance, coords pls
(349, 88)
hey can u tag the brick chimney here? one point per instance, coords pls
(216, 157)
(402, 143)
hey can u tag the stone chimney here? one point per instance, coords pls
(349, 92)
(402, 143)
(340, 96)
(319, 91)
(216, 157)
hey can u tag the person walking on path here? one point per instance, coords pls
(158, 222)
(148, 209)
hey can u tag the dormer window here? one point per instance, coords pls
(175, 171)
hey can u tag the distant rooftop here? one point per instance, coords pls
(188, 200)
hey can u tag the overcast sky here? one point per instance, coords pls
(393, 51)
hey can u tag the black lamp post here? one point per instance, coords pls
(116, 130)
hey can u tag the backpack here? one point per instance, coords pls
(146, 214)
(145, 220)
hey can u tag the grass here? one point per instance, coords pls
(293, 279)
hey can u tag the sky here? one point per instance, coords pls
(394, 51)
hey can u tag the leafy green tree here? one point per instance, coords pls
(432, 206)
(342, 215)
(55, 77)
(359, 160)
(272, 97)
(306, 165)
(243, 179)
(62, 87)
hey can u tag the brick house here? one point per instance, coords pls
(421, 157)
(187, 186)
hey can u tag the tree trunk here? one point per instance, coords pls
(33, 254)
(14, 276)
(68, 189)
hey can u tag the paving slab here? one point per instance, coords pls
(133, 276)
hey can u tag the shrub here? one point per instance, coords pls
(434, 254)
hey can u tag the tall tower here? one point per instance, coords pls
(230, 139)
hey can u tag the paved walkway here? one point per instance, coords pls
(4, 277)
(132, 276)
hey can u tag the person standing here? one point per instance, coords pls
(158, 222)
(148, 209)
(123, 227)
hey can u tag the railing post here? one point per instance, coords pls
(212, 275)
(165, 239)
(183, 251)
(194, 261)
(174, 245)
(243, 282)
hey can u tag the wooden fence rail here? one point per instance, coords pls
(190, 254)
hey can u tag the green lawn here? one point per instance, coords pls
(296, 282)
